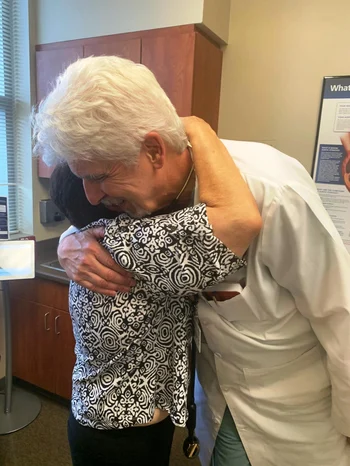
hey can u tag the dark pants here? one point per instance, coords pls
(134, 446)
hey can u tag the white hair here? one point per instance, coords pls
(101, 109)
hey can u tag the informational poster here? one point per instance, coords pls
(4, 233)
(331, 169)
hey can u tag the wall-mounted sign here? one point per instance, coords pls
(331, 167)
(4, 233)
(17, 260)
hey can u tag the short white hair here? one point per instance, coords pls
(101, 109)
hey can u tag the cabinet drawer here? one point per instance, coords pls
(32, 343)
(45, 292)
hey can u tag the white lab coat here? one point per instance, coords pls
(279, 353)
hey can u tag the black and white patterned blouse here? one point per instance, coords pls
(132, 350)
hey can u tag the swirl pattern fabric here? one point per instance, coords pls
(132, 350)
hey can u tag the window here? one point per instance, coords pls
(7, 101)
(15, 106)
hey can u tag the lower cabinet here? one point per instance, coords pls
(64, 354)
(42, 336)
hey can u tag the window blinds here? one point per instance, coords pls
(7, 155)
(15, 148)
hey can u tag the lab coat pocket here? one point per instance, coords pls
(243, 307)
(295, 387)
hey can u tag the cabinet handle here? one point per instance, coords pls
(56, 326)
(45, 322)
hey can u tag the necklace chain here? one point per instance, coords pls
(189, 146)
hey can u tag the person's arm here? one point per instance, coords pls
(305, 255)
(175, 253)
(189, 250)
(231, 207)
(88, 263)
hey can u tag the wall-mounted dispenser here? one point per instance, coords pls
(49, 213)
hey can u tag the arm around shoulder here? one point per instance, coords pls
(231, 207)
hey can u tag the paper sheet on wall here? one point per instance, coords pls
(331, 170)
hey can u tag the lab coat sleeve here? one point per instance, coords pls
(305, 254)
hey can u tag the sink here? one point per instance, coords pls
(55, 265)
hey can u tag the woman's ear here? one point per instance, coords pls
(154, 149)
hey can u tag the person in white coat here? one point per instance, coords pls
(274, 341)
(278, 354)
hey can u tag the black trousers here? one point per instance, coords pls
(134, 446)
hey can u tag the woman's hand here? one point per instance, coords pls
(198, 131)
(87, 263)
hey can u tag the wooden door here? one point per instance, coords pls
(64, 354)
(130, 49)
(49, 65)
(32, 342)
(171, 58)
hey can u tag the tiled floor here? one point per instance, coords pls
(44, 441)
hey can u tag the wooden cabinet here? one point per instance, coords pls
(43, 342)
(32, 333)
(188, 67)
(171, 60)
(206, 81)
(186, 63)
(50, 64)
(130, 49)
(64, 353)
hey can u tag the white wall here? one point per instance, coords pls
(278, 53)
(216, 15)
(76, 19)
(60, 20)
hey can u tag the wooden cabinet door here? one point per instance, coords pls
(207, 80)
(42, 291)
(130, 49)
(32, 342)
(49, 65)
(64, 354)
(171, 58)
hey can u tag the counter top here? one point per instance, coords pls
(46, 251)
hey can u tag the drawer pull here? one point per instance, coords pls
(56, 325)
(45, 322)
